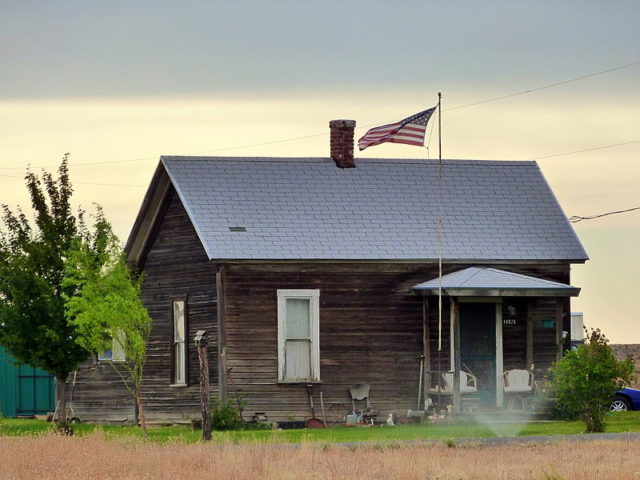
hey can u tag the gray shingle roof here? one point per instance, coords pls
(476, 278)
(307, 208)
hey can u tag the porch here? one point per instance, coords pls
(484, 322)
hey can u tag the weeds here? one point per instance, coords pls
(552, 476)
(95, 456)
(450, 443)
(226, 416)
(64, 428)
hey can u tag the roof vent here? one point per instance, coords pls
(237, 229)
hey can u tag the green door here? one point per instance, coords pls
(478, 346)
(24, 390)
(35, 391)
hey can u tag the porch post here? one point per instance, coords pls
(455, 322)
(529, 353)
(559, 328)
(426, 348)
(499, 357)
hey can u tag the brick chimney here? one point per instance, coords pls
(342, 142)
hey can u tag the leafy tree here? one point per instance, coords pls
(107, 311)
(33, 325)
(584, 380)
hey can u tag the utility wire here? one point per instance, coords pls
(87, 183)
(586, 150)
(109, 162)
(544, 87)
(577, 218)
(601, 147)
(284, 140)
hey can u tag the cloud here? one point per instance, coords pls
(150, 47)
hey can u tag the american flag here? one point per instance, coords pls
(411, 131)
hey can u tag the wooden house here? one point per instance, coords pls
(324, 272)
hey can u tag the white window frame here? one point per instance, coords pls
(314, 332)
(179, 368)
(116, 353)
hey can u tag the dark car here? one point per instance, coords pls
(625, 400)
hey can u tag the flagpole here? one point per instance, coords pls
(439, 229)
(439, 221)
(440, 128)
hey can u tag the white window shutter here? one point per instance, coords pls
(118, 352)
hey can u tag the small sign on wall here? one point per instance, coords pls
(548, 323)
(509, 321)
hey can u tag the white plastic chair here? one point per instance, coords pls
(517, 384)
(359, 392)
(518, 381)
(468, 382)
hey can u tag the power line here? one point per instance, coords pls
(291, 139)
(87, 183)
(585, 150)
(600, 147)
(577, 218)
(110, 162)
(544, 87)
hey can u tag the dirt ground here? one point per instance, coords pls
(93, 457)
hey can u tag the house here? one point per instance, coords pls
(314, 274)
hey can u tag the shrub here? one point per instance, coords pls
(226, 416)
(585, 380)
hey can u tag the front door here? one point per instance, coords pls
(478, 346)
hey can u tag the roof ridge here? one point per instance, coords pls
(425, 161)
(476, 272)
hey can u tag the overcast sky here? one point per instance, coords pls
(123, 82)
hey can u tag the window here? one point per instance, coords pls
(298, 335)
(116, 353)
(179, 374)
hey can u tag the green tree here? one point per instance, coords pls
(107, 311)
(33, 325)
(584, 380)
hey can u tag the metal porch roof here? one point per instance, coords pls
(492, 282)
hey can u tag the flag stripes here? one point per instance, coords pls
(410, 131)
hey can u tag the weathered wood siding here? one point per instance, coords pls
(98, 395)
(514, 337)
(177, 268)
(370, 332)
(544, 339)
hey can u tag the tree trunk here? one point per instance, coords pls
(143, 420)
(61, 398)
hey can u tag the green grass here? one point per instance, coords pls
(619, 422)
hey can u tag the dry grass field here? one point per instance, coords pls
(93, 457)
